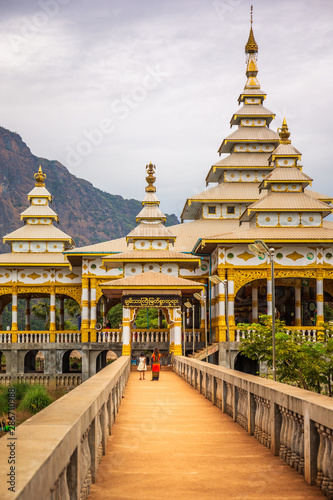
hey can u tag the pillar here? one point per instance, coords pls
(320, 297)
(84, 310)
(14, 313)
(177, 332)
(105, 300)
(231, 303)
(93, 303)
(14, 308)
(52, 309)
(298, 301)
(172, 339)
(269, 293)
(254, 302)
(220, 306)
(27, 314)
(203, 313)
(126, 331)
(1, 319)
(159, 319)
(61, 313)
(213, 314)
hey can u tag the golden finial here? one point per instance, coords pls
(150, 178)
(40, 178)
(251, 47)
(284, 133)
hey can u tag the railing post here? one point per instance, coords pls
(92, 440)
(251, 411)
(224, 391)
(234, 402)
(311, 445)
(73, 474)
(276, 423)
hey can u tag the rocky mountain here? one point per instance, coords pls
(86, 213)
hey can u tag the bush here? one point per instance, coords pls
(35, 399)
(20, 389)
(4, 400)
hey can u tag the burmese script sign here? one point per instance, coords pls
(151, 301)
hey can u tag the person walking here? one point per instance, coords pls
(155, 364)
(142, 367)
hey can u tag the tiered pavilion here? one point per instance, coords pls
(259, 192)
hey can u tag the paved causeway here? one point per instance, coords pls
(169, 442)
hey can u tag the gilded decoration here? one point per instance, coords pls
(295, 256)
(246, 256)
(295, 273)
(244, 276)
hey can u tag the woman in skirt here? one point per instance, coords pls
(155, 364)
(142, 366)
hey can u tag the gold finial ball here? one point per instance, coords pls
(40, 177)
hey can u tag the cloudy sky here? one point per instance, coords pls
(105, 86)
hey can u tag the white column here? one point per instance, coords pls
(231, 297)
(298, 301)
(93, 303)
(269, 294)
(213, 309)
(84, 310)
(104, 310)
(27, 314)
(61, 313)
(14, 308)
(320, 297)
(254, 303)
(177, 329)
(52, 309)
(126, 331)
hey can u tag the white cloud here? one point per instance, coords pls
(64, 80)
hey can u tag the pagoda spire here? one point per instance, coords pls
(150, 178)
(251, 51)
(284, 133)
(40, 177)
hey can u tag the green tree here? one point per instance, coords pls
(115, 316)
(299, 361)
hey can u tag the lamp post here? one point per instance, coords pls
(182, 313)
(191, 306)
(215, 279)
(202, 300)
(260, 248)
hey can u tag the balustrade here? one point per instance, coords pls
(291, 422)
(5, 338)
(112, 336)
(150, 336)
(309, 334)
(66, 467)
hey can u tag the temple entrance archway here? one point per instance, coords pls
(3, 363)
(72, 361)
(34, 362)
(104, 358)
(246, 365)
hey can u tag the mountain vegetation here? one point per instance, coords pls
(86, 213)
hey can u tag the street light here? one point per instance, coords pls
(215, 279)
(260, 248)
(202, 300)
(191, 306)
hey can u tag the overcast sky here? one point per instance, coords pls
(105, 86)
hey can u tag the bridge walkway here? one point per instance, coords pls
(169, 442)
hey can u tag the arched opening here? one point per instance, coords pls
(34, 362)
(72, 362)
(246, 365)
(104, 358)
(3, 363)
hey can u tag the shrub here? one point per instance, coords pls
(4, 400)
(35, 399)
(20, 389)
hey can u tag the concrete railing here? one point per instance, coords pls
(59, 380)
(293, 423)
(56, 453)
(309, 334)
(112, 336)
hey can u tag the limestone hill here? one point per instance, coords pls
(88, 214)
